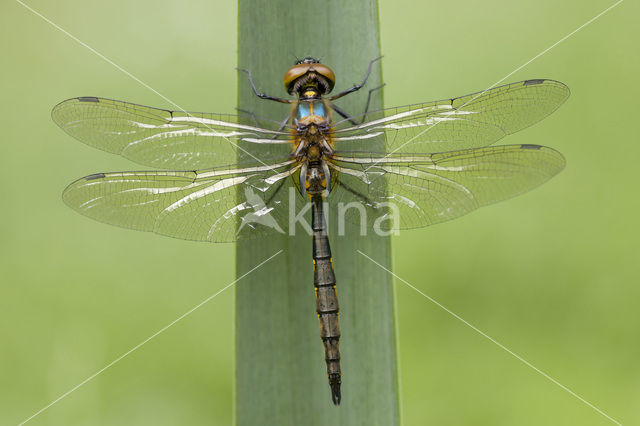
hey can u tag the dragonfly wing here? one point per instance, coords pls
(206, 205)
(408, 191)
(166, 139)
(470, 121)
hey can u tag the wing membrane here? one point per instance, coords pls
(424, 190)
(165, 139)
(470, 121)
(205, 205)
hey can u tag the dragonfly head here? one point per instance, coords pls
(309, 78)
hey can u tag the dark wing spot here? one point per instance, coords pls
(534, 81)
(88, 99)
(528, 146)
(94, 176)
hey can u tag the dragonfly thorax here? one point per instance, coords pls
(313, 139)
(313, 150)
(312, 124)
(314, 147)
(312, 130)
(313, 107)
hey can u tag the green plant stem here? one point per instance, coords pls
(280, 371)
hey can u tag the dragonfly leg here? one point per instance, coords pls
(268, 201)
(255, 120)
(366, 106)
(251, 114)
(346, 115)
(362, 197)
(281, 127)
(356, 87)
(260, 94)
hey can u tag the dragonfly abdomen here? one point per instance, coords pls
(327, 308)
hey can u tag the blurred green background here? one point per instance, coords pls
(552, 275)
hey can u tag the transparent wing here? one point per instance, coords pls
(206, 205)
(408, 191)
(470, 121)
(166, 139)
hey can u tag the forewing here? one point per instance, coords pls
(402, 191)
(470, 121)
(209, 205)
(166, 139)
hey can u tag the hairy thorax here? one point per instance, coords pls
(313, 141)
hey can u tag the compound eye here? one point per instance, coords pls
(294, 73)
(326, 72)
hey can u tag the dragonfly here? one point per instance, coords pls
(438, 164)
